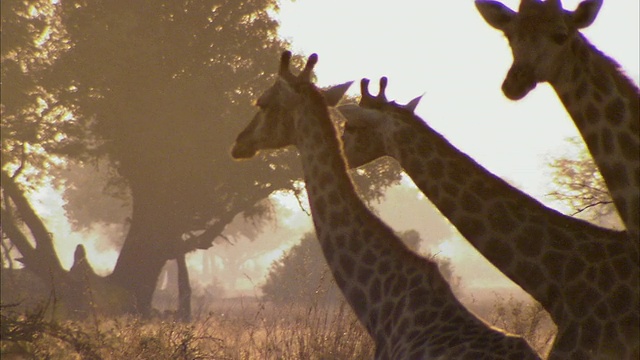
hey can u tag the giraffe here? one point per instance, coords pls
(401, 298)
(604, 103)
(585, 276)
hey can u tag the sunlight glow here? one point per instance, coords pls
(447, 249)
(444, 50)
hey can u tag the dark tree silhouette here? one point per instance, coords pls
(163, 85)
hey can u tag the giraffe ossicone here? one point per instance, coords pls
(402, 300)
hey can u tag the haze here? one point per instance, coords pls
(446, 51)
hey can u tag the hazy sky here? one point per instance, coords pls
(445, 50)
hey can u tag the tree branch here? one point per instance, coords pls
(23, 160)
(205, 240)
(44, 249)
(17, 238)
(584, 208)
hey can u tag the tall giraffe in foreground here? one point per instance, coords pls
(603, 102)
(585, 276)
(401, 299)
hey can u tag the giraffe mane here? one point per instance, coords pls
(624, 82)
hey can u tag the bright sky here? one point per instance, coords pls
(445, 50)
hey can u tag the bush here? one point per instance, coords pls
(302, 276)
(528, 320)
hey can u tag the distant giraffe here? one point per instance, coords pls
(585, 276)
(602, 101)
(401, 299)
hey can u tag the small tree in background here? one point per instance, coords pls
(525, 319)
(579, 185)
(303, 276)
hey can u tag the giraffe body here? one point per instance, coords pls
(579, 272)
(402, 299)
(604, 103)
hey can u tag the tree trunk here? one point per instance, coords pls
(42, 258)
(155, 237)
(184, 290)
(140, 263)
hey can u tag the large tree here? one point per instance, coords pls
(164, 86)
(159, 88)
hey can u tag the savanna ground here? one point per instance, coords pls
(239, 328)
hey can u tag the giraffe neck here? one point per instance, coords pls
(391, 289)
(604, 105)
(348, 234)
(511, 229)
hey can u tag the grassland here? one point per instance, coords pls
(236, 329)
(241, 328)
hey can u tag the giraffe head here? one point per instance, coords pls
(273, 127)
(540, 35)
(361, 139)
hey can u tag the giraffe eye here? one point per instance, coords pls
(559, 38)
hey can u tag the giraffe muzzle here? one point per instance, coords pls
(240, 152)
(519, 81)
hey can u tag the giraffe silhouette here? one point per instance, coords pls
(401, 298)
(585, 276)
(604, 103)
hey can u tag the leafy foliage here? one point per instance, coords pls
(165, 86)
(580, 185)
(528, 320)
(301, 276)
(35, 125)
(94, 193)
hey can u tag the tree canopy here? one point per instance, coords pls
(166, 86)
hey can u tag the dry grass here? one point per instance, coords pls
(242, 329)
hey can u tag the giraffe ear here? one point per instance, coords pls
(333, 95)
(413, 104)
(494, 13)
(586, 13)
